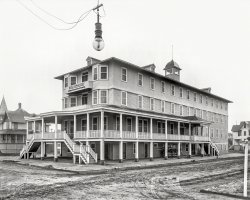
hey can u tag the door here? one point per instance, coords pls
(107, 146)
(71, 129)
(146, 150)
(124, 150)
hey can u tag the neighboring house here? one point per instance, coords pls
(12, 129)
(240, 132)
(116, 110)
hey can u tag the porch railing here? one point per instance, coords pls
(112, 134)
(142, 135)
(94, 133)
(200, 138)
(129, 135)
(160, 136)
(81, 134)
(173, 137)
(184, 137)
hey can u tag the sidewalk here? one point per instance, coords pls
(65, 165)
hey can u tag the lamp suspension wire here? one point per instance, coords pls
(74, 24)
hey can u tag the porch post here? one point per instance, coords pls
(102, 162)
(136, 126)
(208, 149)
(179, 150)
(136, 151)
(166, 150)
(42, 150)
(151, 151)
(74, 134)
(102, 123)
(34, 126)
(189, 130)
(202, 150)
(179, 130)
(27, 130)
(56, 126)
(42, 127)
(190, 150)
(87, 148)
(151, 128)
(87, 132)
(121, 128)
(55, 152)
(166, 130)
(120, 151)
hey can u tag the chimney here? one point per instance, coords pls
(207, 89)
(150, 67)
(19, 106)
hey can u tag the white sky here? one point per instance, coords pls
(211, 41)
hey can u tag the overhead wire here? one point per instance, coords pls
(82, 17)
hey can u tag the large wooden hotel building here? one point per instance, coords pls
(116, 110)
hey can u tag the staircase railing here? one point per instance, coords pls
(84, 155)
(214, 147)
(91, 152)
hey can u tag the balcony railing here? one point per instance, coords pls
(143, 135)
(129, 135)
(184, 137)
(199, 138)
(80, 86)
(159, 136)
(81, 134)
(173, 137)
(112, 134)
(94, 133)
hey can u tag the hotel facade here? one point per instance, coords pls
(116, 110)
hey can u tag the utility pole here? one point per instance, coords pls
(245, 168)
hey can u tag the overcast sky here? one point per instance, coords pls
(211, 41)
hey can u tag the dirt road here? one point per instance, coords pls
(177, 182)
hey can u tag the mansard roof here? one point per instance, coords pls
(114, 59)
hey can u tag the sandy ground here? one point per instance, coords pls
(177, 182)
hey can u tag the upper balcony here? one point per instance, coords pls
(79, 87)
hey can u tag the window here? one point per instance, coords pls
(66, 82)
(94, 123)
(172, 108)
(162, 106)
(124, 98)
(225, 106)
(221, 106)
(84, 124)
(206, 100)
(72, 101)
(103, 72)
(181, 92)
(172, 90)
(186, 147)
(195, 97)
(201, 99)
(162, 87)
(245, 133)
(152, 83)
(104, 96)
(95, 73)
(160, 127)
(84, 99)
(188, 111)
(212, 102)
(140, 79)
(181, 110)
(140, 100)
(142, 126)
(216, 104)
(105, 123)
(95, 97)
(84, 76)
(117, 123)
(188, 94)
(124, 74)
(129, 124)
(212, 132)
(73, 80)
(65, 102)
(152, 104)
(171, 128)
(145, 126)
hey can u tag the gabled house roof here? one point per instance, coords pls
(13, 116)
(237, 128)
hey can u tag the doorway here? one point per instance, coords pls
(146, 150)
